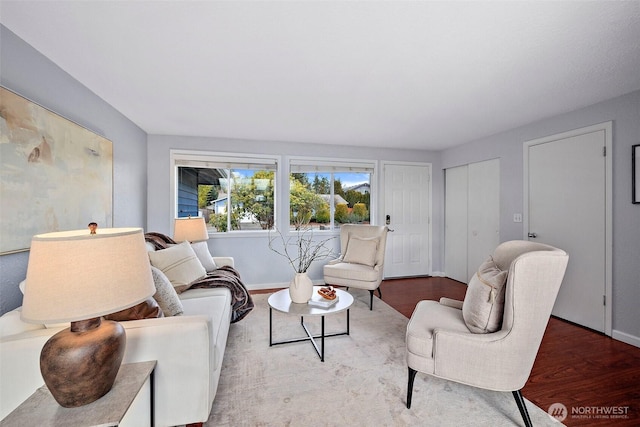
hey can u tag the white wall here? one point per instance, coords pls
(25, 71)
(624, 111)
(259, 266)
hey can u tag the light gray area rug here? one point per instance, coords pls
(363, 381)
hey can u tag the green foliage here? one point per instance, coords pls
(321, 185)
(337, 188)
(323, 216)
(206, 195)
(341, 213)
(219, 221)
(354, 197)
(360, 211)
(213, 195)
(302, 178)
(253, 197)
(303, 203)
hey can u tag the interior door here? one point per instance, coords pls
(407, 210)
(566, 186)
(484, 212)
(472, 216)
(455, 222)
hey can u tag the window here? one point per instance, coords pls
(324, 194)
(232, 193)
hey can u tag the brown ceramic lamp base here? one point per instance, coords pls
(80, 364)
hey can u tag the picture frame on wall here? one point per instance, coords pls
(55, 174)
(635, 173)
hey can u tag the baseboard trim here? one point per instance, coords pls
(279, 285)
(261, 286)
(626, 338)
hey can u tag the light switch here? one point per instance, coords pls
(517, 217)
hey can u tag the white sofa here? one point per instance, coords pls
(189, 350)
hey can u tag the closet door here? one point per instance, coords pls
(455, 248)
(472, 217)
(484, 212)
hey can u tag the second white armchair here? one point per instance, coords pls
(361, 260)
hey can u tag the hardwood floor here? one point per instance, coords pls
(582, 369)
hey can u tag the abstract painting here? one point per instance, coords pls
(55, 175)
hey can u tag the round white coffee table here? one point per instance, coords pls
(281, 302)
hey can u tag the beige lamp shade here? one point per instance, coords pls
(190, 229)
(74, 275)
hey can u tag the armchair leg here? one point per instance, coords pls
(522, 407)
(370, 296)
(412, 377)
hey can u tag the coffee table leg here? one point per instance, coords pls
(322, 340)
(310, 336)
(347, 321)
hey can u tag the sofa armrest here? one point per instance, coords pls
(222, 261)
(181, 345)
(20, 367)
(182, 377)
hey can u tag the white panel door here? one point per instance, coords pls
(566, 186)
(455, 223)
(407, 206)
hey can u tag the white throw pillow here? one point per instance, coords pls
(202, 252)
(361, 251)
(166, 295)
(483, 303)
(180, 264)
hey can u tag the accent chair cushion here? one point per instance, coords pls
(342, 273)
(166, 295)
(180, 264)
(361, 250)
(483, 304)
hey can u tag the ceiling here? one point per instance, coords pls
(415, 75)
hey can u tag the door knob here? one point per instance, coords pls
(532, 235)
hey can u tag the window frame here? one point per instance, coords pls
(216, 159)
(324, 165)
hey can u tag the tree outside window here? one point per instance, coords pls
(229, 199)
(324, 200)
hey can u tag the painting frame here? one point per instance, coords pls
(55, 174)
(635, 174)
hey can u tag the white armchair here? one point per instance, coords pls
(440, 341)
(361, 260)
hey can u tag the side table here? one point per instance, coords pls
(41, 409)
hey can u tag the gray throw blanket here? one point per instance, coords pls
(225, 276)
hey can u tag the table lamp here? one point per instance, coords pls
(190, 229)
(77, 277)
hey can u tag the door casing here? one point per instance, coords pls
(385, 203)
(605, 127)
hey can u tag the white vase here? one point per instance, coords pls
(301, 288)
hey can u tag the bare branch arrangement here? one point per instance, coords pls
(300, 249)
